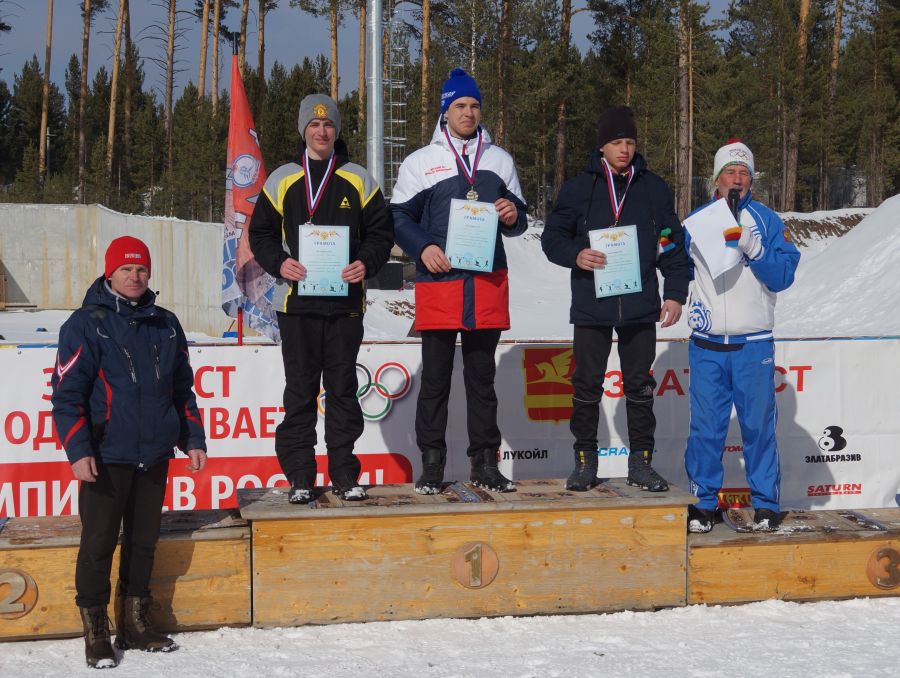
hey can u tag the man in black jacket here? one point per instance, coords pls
(122, 400)
(617, 189)
(320, 335)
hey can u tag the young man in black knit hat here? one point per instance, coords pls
(618, 192)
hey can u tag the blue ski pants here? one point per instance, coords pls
(746, 379)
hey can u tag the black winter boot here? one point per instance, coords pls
(134, 628)
(486, 475)
(642, 475)
(584, 477)
(432, 479)
(98, 652)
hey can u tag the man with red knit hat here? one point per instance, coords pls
(732, 347)
(122, 401)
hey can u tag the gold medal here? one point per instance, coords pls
(472, 194)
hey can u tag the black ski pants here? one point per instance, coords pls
(127, 497)
(479, 367)
(320, 349)
(637, 350)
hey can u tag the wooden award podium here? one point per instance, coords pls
(201, 574)
(815, 555)
(465, 553)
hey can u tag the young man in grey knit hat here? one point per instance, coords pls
(320, 335)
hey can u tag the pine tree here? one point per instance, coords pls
(27, 186)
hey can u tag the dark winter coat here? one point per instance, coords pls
(584, 205)
(351, 198)
(122, 387)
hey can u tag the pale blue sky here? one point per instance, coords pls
(290, 36)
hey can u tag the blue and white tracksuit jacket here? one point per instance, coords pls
(732, 360)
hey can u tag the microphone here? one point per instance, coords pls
(734, 199)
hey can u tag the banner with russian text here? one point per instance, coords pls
(244, 283)
(838, 430)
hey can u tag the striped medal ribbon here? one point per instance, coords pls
(470, 176)
(313, 199)
(617, 205)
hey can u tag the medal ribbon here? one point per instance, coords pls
(617, 205)
(312, 200)
(470, 176)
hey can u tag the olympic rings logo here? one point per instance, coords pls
(390, 382)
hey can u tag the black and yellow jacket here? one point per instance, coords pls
(351, 198)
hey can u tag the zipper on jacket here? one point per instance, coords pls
(130, 365)
(156, 361)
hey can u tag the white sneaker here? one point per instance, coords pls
(300, 495)
(355, 493)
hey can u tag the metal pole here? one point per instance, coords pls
(375, 91)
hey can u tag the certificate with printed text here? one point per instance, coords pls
(471, 235)
(622, 273)
(706, 228)
(324, 252)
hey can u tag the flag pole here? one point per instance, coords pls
(240, 311)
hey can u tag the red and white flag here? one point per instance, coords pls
(245, 284)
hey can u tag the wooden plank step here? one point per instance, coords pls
(202, 556)
(815, 555)
(465, 553)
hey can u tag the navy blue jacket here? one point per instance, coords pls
(584, 205)
(123, 383)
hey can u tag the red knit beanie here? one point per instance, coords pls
(126, 250)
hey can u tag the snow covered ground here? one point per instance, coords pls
(772, 639)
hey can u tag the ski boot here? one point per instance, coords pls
(486, 474)
(642, 475)
(584, 477)
(432, 479)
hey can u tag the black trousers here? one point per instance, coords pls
(320, 349)
(479, 367)
(637, 350)
(123, 496)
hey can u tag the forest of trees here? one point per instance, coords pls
(810, 85)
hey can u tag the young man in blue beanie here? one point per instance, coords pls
(617, 189)
(459, 163)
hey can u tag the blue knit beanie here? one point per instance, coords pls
(459, 84)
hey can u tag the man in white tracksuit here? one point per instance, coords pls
(732, 348)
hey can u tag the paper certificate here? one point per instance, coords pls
(705, 228)
(324, 252)
(622, 273)
(471, 235)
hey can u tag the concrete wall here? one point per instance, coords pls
(50, 254)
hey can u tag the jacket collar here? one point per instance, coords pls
(101, 294)
(438, 138)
